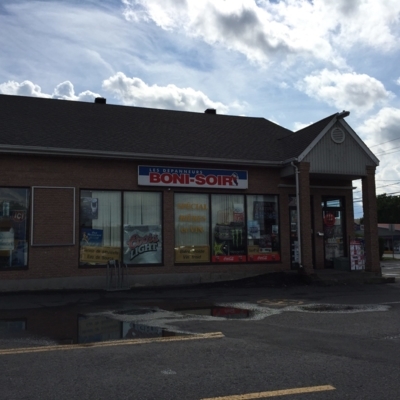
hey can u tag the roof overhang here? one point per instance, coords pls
(51, 151)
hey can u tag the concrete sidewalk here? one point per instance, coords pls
(332, 276)
(325, 277)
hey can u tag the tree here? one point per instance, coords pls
(388, 208)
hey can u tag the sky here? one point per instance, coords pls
(293, 62)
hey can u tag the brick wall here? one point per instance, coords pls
(63, 261)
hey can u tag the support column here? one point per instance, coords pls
(372, 262)
(305, 217)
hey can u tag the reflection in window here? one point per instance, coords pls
(228, 228)
(262, 228)
(142, 228)
(14, 205)
(192, 228)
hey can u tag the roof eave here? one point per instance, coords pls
(51, 151)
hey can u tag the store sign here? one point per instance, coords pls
(192, 177)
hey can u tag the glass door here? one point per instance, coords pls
(334, 229)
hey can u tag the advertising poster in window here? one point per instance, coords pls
(263, 232)
(6, 241)
(229, 232)
(192, 228)
(99, 254)
(91, 237)
(14, 203)
(93, 250)
(142, 244)
(357, 256)
(89, 208)
(192, 254)
(229, 243)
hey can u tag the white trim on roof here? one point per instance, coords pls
(11, 149)
(316, 140)
(348, 129)
(359, 141)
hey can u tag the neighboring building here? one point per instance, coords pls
(391, 235)
(180, 197)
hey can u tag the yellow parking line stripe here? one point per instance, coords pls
(24, 350)
(274, 393)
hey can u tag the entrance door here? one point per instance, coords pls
(334, 229)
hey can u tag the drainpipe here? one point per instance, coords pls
(298, 212)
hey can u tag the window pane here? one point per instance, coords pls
(100, 227)
(262, 228)
(192, 228)
(228, 229)
(142, 228)
(14, 205)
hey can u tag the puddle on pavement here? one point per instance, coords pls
(37, 327)
(74, 325)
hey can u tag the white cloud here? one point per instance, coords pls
(25, 88)
(352, 91)
(267, 31)
(64, 90)
(263, 34)
(398, 82)
(368, 22)
(382, 133)
(382, 127)
(299, 125)
(133, 91)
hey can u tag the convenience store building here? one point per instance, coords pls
(178, 197)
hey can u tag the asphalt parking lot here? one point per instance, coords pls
(295, 341)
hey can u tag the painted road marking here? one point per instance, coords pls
(280, 302)
(274, 393)
(24, 350)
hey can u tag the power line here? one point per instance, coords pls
(386, 153)
(384, 142)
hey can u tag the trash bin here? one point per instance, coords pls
(341, 263)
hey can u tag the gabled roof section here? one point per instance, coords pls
(301, 143)
(48, 126)
(297, 142)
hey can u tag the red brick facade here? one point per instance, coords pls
(54, 253)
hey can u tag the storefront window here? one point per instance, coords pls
(192, 227)
(142, 228)
(100, 227)
(228, 228)
(262, 228)
(14, 205)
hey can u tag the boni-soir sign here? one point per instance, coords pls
(192, 177)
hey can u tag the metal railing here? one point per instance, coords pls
(117, 277)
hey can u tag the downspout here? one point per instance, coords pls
(298, 212)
